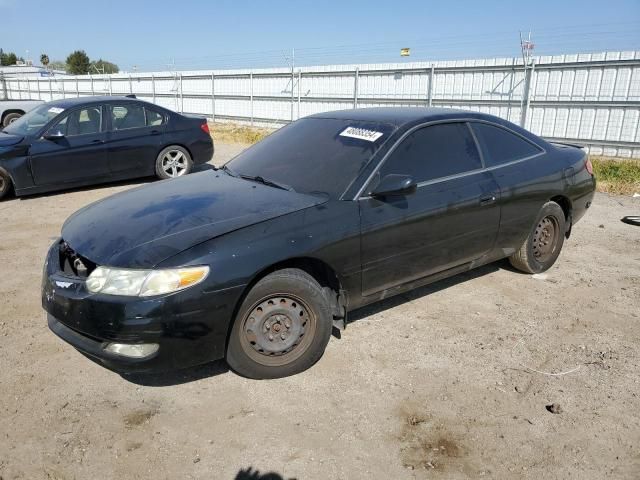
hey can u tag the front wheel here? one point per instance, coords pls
(173, 161)
(282, 326)
(5, 184)
(542, 247)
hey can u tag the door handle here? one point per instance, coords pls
(97, 141)
(155, 132)
(487, 200)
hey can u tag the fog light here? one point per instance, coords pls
(141, 350)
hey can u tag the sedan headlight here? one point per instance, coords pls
(144, 283)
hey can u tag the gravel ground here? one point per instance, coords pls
(450, 381)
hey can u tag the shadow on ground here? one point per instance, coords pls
(251, 474)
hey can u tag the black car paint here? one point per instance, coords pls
(371, 248)
(36, 164)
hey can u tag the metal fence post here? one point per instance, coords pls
(526, 94)
(293, 81)
(299, 87)
(153, 88)
(64, 91)
(50, 90)
(181, 96)
(213, 98)
(432, 76)
(77, 88)
(39, 94)
(251, 96)
(130, 86)
(110, 87)
(92, 88)
(356, 77)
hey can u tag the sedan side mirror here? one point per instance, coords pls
(394, 184)
(53, 135)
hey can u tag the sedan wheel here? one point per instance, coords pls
(5, 184)
(173, 162)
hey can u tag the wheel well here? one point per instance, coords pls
(565, 204)
(176, 145)
(319, 270)
(7, 112)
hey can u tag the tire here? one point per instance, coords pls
(543, 244)
(10, 118)
(631, 220)
(5, 184)
(173, 161)
(282, 327)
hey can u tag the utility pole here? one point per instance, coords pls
(526, 47)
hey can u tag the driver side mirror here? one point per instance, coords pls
(53, 135)
(395, 185)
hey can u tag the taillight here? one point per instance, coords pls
(205, 127)
(588, 166)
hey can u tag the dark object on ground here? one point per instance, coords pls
(631, 220)
(554, 408)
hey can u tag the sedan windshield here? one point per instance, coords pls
(33, 120)
(313, 155)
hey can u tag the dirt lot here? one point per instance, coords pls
(439, 383)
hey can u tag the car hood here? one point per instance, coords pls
(142, 227)
(7, 139)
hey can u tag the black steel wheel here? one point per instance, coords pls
(544, 243)
(282, 327)
(5, 184)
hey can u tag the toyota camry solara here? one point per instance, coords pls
(256, 262)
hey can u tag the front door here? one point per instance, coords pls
(451, 219)
(76, 154)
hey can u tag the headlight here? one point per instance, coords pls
(144, 283)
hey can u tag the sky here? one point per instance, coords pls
(147, 35)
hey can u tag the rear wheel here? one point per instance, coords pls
(5, 184)
(173, 161)
(282, 327)
(542, 247)
(10, 118)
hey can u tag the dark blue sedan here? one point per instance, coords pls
(83, 141)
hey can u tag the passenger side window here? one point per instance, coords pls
(434, 152)
(128, 116)
(500, 146)
(80, 122)
(154, 118)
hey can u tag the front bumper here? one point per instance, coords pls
(189, 326)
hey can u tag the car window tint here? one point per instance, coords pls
(80, 122)
(128, 116)
(501, 146)
(154, 118)
(434, 152)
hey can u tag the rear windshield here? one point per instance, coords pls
(314, 155)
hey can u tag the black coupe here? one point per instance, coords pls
(257, 261)
(88, 140)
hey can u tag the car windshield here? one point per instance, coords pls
(314, 155)
(33, 120)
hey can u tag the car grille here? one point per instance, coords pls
(73, 264)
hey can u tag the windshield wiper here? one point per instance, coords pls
(270, 183)
(227, 170)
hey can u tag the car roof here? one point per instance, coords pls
(72, 102)
(400, 116)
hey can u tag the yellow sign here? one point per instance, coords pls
(405, 52)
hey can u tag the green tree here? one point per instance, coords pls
(8, 58)
(78, 63)
(44, 60)
(103, 66)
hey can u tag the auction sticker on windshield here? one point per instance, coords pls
(56, 110)
(361, 133)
